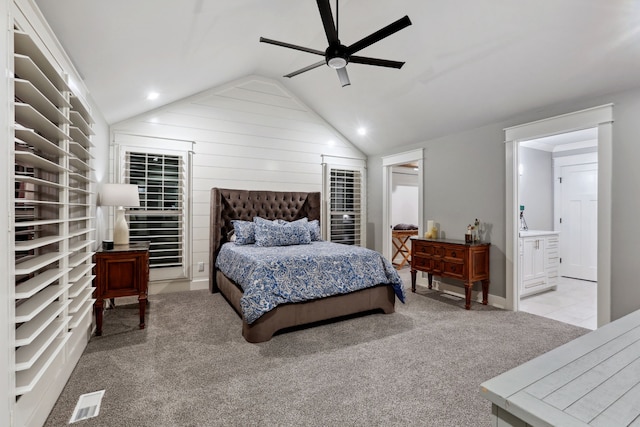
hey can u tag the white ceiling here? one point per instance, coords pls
(585, 138)
(468, 63)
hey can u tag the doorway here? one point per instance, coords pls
(602, 118)
(404, 212)
(414, 158)
(558, 177)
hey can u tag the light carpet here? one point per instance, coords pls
(421, 366)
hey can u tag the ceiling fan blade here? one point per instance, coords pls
(302, 70)
(343, 76)
(375, 61)
(327, 20)
(291, 46)
(379, 35)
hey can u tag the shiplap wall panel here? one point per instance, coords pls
(237, 106)
(257, 163)
(250, 134)
(280, 142)
(213, 112)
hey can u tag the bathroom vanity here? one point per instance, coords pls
(539, 261)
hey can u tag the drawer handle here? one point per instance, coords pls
(453, 254)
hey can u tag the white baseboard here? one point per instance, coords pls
(458, 291)
(177, 285)
(199, 284)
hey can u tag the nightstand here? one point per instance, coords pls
(120, 272)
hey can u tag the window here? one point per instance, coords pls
(160, 178)
(345, 223)
(344, 215)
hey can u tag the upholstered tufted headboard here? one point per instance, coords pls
(227, 205)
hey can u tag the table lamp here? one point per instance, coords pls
(121, 196)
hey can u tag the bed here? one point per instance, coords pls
(228, 205)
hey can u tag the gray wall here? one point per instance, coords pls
(465, 178)
(536, 188)
(625, 289)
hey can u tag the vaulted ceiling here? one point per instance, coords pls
(468, 63)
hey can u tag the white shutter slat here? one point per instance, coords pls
(38, 303)
(37, 262)
(77, 288)
(28, 245)
(37, 283)
(79, 271)
(27, 69)
(78, 301)
(83, 311)
(27, 380)
(78, 259)
(27, 332)
(27, 355)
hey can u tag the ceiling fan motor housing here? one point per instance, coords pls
(336, 56)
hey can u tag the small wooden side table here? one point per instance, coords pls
(400, 238)
(121, 272)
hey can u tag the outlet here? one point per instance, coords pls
(201, 266)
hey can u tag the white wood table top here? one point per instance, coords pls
(593, 380)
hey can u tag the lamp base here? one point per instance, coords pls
(120, 229)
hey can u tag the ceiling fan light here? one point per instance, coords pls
(337, 63)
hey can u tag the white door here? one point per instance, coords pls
(579, 221)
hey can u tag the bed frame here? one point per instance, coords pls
(227, 205)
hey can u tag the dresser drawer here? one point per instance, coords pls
(452, 252)
(453, 269)
(422, 262)
(427, 248)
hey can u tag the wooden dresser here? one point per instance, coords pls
(455, 259)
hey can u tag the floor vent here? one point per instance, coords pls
(88, 406)
(453, 297)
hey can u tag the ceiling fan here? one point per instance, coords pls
(337, 55)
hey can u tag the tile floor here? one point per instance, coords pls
(574, 302)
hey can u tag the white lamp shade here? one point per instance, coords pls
(119, 195)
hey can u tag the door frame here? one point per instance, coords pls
(600, 117)
(387, 180)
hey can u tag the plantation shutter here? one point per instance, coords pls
(345, 215)
(53, 225)
(160, 178)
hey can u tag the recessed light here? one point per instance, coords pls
(153, 95)
(362, 131)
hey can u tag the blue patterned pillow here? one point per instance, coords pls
(314, 230)
(313, 226)
(244, 232)
(271, 233)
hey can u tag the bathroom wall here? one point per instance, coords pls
(536, 187)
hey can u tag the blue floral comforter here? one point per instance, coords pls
(270, 276)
